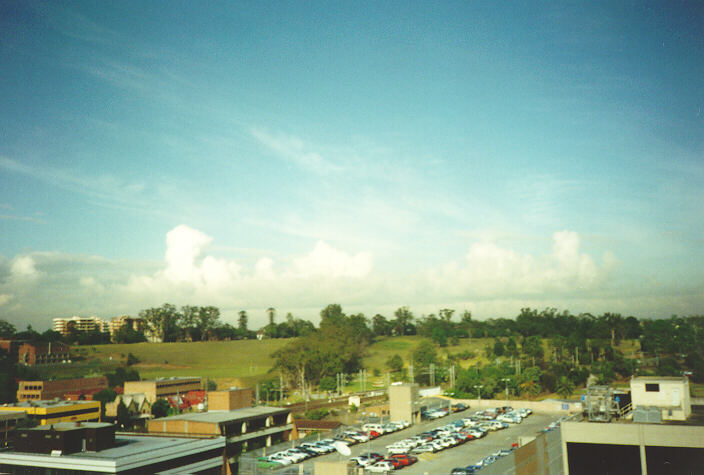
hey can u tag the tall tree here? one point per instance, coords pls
(271, 313)
(242, 320)
(162, 322)
(403, 319)
(7, 329)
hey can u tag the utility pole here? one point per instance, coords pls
(388, 379)
(576, 355)
(452, 376)
(432, 374)
(257, 396)
(281, 387)
(410, 372)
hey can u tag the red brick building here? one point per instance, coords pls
(62, 389)
(43, 353)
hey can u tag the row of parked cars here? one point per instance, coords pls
(493, 417)
(349, 436)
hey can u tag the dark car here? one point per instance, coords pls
(462, 471)
(459, 407)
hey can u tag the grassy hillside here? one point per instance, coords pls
(229, 363)
(244, 362)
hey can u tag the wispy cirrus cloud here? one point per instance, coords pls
(296, 151)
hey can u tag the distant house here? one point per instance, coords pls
(138, 406)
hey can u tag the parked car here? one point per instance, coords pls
(381, 467)
(404, 459)
(459, 407)
(462, 471)
(421, 449)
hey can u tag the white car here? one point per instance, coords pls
(278, 458)
(400, 424)
(363, 461)
(424, 448)
(359, 437)
(381, 467)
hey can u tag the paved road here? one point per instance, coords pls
(460, 456)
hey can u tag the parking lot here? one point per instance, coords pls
(469, 453)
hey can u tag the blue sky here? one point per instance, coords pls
(464, 155)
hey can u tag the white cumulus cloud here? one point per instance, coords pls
(24, 268)
(326, 261)
(490, 270)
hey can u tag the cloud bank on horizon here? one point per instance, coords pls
(489, 280)
(447, 155)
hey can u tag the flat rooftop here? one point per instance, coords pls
(45, 403)
(130, 453)
(68, 426)
(217, 417)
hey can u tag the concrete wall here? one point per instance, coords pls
(176, 426)
(624, 433)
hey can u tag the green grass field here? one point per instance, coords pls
(229, 363)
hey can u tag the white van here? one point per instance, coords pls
(375, 427)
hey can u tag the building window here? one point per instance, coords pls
(652, 388)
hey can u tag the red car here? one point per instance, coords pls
(405, 459)
(373, 434)
(395, 462)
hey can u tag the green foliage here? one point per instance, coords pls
(126, 334)
(7, 330)
(328, 383)
(395, 363)
(161, 408)
(498, 347)
(211, 385)
(122, 374)
(403, 325)
(668, 366)
(604, 371)
(131, 359)
(565, 387)
(123, 415)
(104, 396)
(337, 347)
(316, 414)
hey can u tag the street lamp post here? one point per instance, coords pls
(506, 380)
(479, 387)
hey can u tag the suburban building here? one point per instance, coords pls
(137, 406)
(11, 347)
(8, 424)
(163, 387)
(229, 399)
(51, 412)
(83, 448)
(43, 353)
(659, 434)
(116, 323)
(80, 324)
(404, 403)
(62, 388)
(244, 429)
